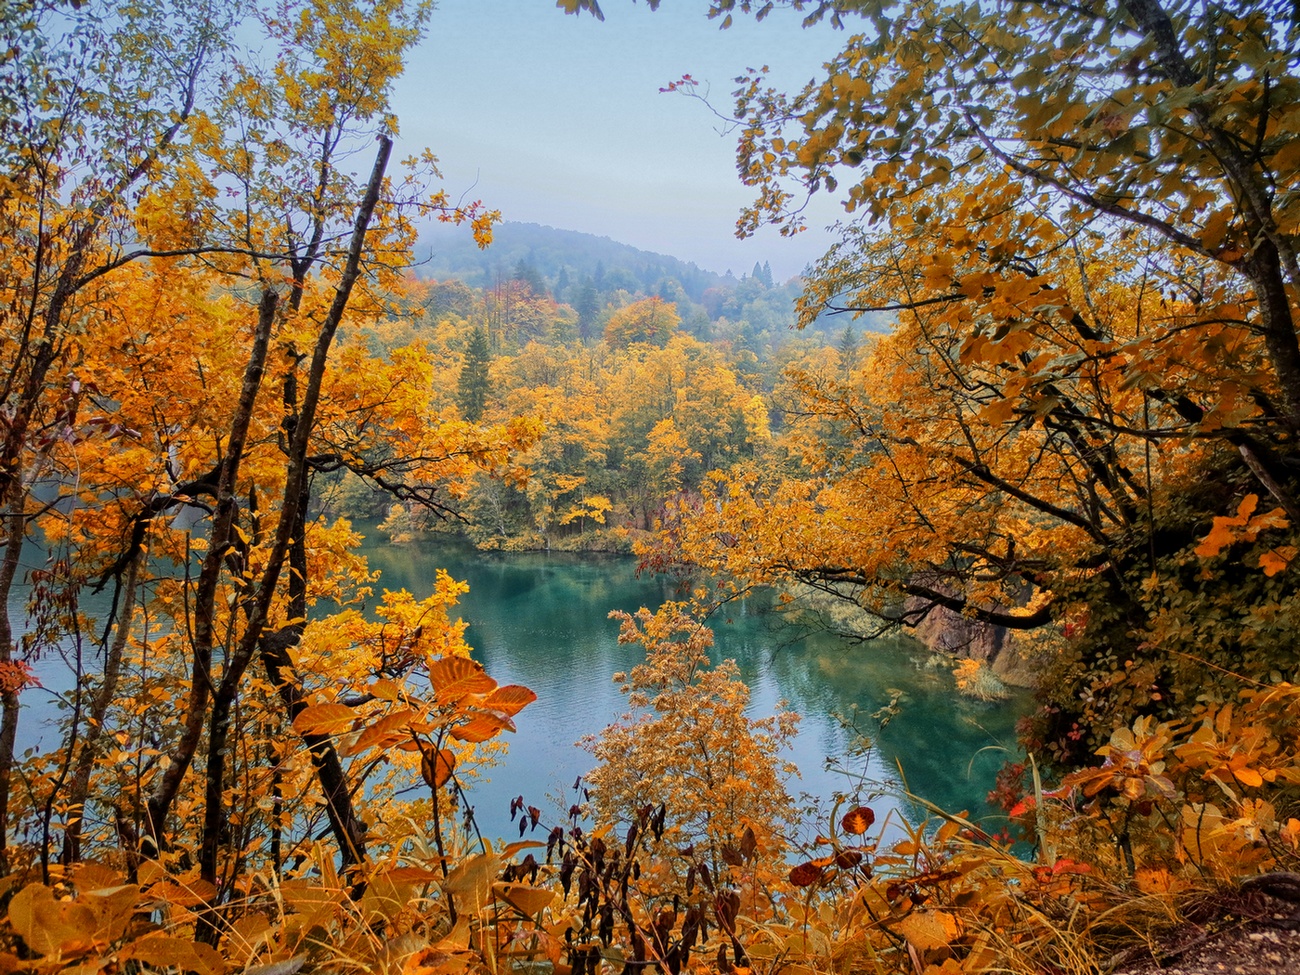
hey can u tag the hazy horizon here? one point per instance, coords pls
(559, 121)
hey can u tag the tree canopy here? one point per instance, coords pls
(185, 249)
(1083, 221)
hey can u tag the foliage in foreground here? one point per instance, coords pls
(1171, 812)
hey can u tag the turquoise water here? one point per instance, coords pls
(541, 620)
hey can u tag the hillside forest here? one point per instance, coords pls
(1044, 389)
(643, 388)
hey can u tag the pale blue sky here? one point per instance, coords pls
(561, 121)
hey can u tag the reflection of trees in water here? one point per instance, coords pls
(541, 620)
(949, 746)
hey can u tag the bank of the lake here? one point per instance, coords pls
(541, 619)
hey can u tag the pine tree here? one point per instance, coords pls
(849, 349)
(526, 272)
(587, 306)
(474, 386)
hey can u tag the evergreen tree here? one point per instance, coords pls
(767, 274)
(849, 349)
(474, 386)
(526, 272)
(587, 306)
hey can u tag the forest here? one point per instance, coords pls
(1044, 386)
(642, 397)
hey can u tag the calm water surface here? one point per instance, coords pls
(541, 619)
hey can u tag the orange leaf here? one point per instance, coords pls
(190, 893)
(998, 411)
(388, 731)
(1277, 560)
(164, 952)
(411, 875)
(482, 727)
(456, 677)
(857, 821)
(929, 930)
(324, 719)
(510, 699)
(1248, 776)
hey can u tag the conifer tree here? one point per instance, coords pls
(849, 349)
(474, 386)
(587, 306)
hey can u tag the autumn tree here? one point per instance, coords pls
(688, 743)
(77, 146)
(1084, 421)
(188, 263)
(649, 320)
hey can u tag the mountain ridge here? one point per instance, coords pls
(444, 252)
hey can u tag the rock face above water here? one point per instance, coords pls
(955, 635)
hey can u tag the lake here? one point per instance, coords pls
(541, 619)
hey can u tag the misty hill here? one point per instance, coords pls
(560, 257)
(593, 273)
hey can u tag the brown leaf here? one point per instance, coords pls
(436, 767)
(857, 821)
(848, 858)
(806, 875)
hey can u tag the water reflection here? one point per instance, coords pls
(542, 620)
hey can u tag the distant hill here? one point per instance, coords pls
(588, 272)
(562, 258)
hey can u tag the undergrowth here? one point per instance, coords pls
(1171, 812)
